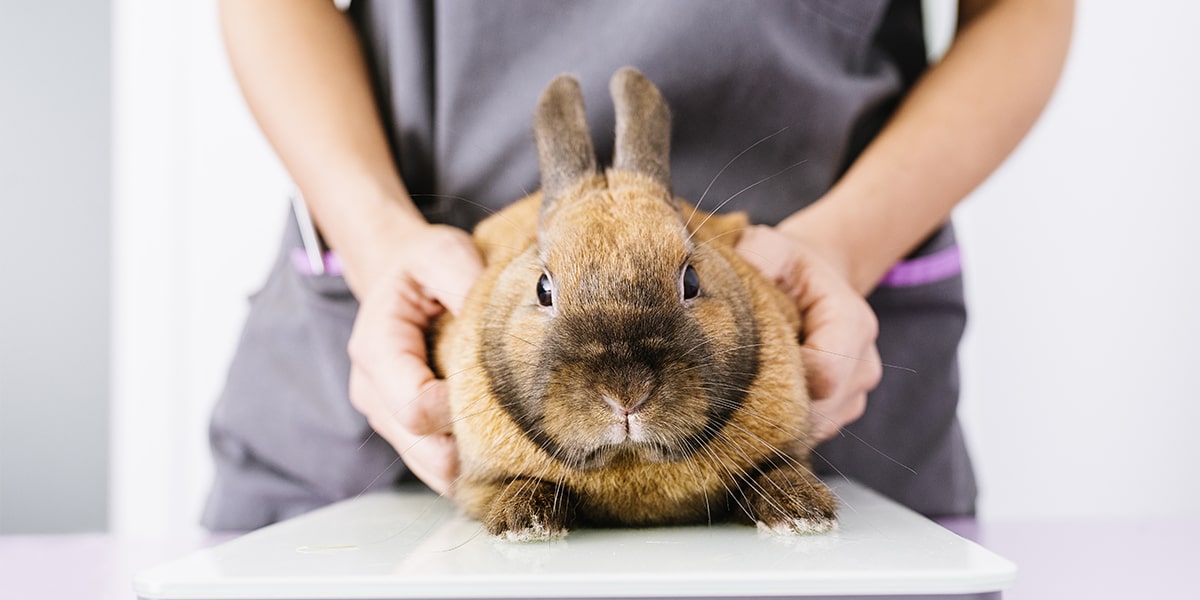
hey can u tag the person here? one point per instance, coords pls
(404, 123)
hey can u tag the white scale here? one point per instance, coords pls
(410, 543)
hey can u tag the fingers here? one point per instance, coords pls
(390, 380)
(839, 345)
(829, 416)
(838, 385)
(419, 429)
(428, 450)
(839, 388)
(434, 460)
(841, 360)
(771, 253)
(410, 395)
(387, 348)
(839, 328)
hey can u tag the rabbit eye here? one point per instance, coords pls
(690, 283)
(545, 294)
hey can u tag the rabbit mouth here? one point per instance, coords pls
(627, 439)
(626, 452)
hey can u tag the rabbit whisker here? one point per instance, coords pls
(702, 478)
(750, 482)
(715, 462)
(813, 412)
(808, 347)
(742, 191)
(519, 338)
(719, 236)
(790, 461)
(385, 470)
(880, 363)
(488, 209)
(727, 165)
(845, 431)
(478, 532)
(708, 358)
(414, 399)
(809, 447)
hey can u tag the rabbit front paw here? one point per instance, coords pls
(791, 501)
(529, 510)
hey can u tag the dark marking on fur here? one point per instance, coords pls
(564, 144)
(517, 397)
(643, 136)
(636, 339)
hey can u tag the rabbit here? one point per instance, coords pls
(617, 364)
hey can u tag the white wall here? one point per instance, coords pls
(1081, 272)
(199, 201)
(1083, 266)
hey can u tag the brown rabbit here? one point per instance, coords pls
(617, 363)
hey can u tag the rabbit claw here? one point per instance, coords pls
(528, 511)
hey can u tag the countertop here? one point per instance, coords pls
(1147, 558)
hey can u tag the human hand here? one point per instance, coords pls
(838, 328)
(390, 380)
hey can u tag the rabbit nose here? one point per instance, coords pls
(624, 404)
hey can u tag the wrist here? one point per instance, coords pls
(825, 230)
(859, 232)
(367, 225)
(370, 254)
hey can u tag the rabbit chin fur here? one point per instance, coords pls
(520, 484)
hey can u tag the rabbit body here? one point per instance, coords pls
(617, 363)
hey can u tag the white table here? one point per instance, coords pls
(412, 544)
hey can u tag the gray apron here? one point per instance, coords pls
(457, 82)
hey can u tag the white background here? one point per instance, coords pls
(1081, 256)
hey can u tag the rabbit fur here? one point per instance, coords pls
(586, 387)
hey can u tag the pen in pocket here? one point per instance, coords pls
(313, 258)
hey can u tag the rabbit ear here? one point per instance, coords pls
(643, 143)
(565, 152)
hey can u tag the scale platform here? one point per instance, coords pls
(411, 543)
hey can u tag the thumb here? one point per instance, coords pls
(772, 253)
(431, 410)
(451, 270)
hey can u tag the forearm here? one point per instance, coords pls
(301, 69)
(958, 123)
